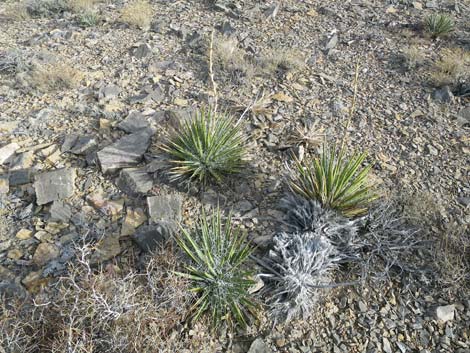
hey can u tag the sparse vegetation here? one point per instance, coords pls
(53, 77)
(98, 311)
(439, 25)
(282, 60)
(17, 11)
(413, 56)
(208, 146)
(217, 271)
(334, 180)
(452, 67)
(138, 14)
(46, 8)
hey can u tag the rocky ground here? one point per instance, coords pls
(83, 110)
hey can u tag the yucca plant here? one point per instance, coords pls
(439, 24)
(207, 147)
(218, 253)
(334, 180)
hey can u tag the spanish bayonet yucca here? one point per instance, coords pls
(335, 181)
(217, 273)
(208, 146)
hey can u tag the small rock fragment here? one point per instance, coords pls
(44, 253)
(134, 219)
(24, 234)
(258, 346)
(445, 313)
(148, 238)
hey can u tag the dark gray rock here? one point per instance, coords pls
(148, 238)
(60, 211)
(258, 346)
(443, 95)
(134, 181)
(12, 290)
(134, 122)
(165, 208)
(465, 201)
(69, 142)
(19, 177)
(126, 152)
(84, 145)
(56, 185)
(109, 92)
(141, 51)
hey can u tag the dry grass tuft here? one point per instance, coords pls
(54, 77)
(452, 253)
(231, 59)
(413, 56)
(138, 14)
(282, 60)
(453, 66)
(17, 11)
(82, 5)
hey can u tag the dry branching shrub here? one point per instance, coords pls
(453, 66)
(105, 311)
(54, 77)
(138, 14)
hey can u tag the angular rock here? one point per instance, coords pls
(106, 249)
(56, 185)
(134, 122)
(44, 253)
(445, 313)
(258, 346)
(443, 95)
(148, 238)
(83, 145)
(165, 208)
(126, 152)
(134, 181)
(109, 92)
(24, 234)
(141, 51)
(60, 211)
(7, 152)
(20, 177)
(134, 219)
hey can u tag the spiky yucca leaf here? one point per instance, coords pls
(439, 24)
(335, 181)
(208, 146)
(218, 253)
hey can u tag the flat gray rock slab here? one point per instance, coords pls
(56, 185)
(126, 152)
(165, 208)
(134, 181)
(134, 122)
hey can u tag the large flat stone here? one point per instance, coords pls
(126, 152)
(56, 185)
(165, 208)
(134, 181)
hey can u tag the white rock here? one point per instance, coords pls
(7, 152)
(445, 313)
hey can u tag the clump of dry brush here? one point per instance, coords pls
(319, 241)
(103, 311)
